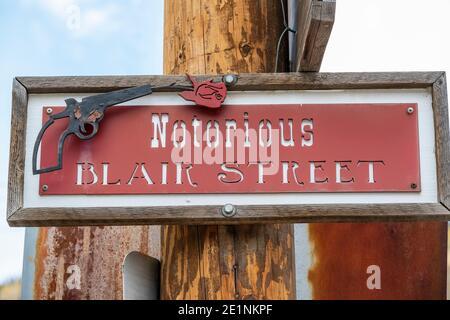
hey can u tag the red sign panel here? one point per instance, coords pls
(240, 149)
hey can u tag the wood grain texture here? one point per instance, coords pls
(315, 21)
(228, 262)
(442, 136)
(245, 214)
(303, 21)
(251, 81)
(17, 148)
(222, 37)
(224, 262)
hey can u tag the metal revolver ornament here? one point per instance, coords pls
(85, 116)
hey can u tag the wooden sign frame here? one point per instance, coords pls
(18, 215)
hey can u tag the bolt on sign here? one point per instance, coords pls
(248, 148)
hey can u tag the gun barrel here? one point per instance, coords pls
(119, 96)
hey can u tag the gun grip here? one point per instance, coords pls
(37, 145)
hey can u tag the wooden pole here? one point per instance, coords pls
(225, 262)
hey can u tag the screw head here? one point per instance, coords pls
(410, 110)
(228, 210)
(49, 110)
(413, 186)
(229, 79)
(45, 188)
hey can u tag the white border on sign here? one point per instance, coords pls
(422, 97)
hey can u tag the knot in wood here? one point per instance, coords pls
(245, 48)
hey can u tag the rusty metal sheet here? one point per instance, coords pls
(240, 149)
(371, 260)
(82, 263)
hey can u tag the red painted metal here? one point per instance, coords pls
(351, 134)
(206, 94)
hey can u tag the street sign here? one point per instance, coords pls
(277, 141)
(258, 148)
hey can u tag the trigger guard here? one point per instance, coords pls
(82, 136)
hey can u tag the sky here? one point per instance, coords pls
(116, 37)
(68, 37)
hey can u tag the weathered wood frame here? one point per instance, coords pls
(17, 215)
(314, 22)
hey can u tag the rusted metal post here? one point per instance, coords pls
(225, 262)
(81, 263)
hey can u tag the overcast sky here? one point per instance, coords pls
(44, 37)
